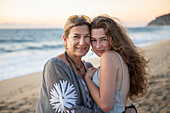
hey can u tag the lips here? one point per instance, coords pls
(100, 51)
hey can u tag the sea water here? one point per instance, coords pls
(25, 51)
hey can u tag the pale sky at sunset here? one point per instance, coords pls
(53, 13)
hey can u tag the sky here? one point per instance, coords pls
(54, 13)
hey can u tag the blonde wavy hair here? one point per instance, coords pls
(76, 20)
(133, 56)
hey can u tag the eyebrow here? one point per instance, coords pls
(100, 37)
(79, 34)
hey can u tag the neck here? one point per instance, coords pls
(80, 68)
(76, 59)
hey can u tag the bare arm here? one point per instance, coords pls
(104, 96)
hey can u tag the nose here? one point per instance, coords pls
(82, 41)
(98, 45)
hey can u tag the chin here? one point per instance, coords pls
(99, 54)
(81, 54)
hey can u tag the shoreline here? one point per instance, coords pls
(20, 94)
(89, 57)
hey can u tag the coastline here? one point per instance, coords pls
(20, 94)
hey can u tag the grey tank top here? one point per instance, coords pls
(118, 106)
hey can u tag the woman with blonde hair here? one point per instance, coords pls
(63, 89)
(122, 72)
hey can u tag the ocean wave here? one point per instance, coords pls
(148, 29)
(14, 41)
(45, 47)
(29, 48)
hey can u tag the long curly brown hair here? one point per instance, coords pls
(132, 55)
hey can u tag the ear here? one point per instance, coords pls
(65, 41)
(64, 38)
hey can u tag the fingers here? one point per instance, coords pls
(90, 72)
(130, 110)
(92, 68)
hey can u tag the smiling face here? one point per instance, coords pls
(99, 41)
(78, 41)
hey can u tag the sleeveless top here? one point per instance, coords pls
(118, 106)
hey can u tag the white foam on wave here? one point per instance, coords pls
(26, 61)
(22, 63)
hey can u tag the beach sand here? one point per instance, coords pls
(158, 98)
(19, 95)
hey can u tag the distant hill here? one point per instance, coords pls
(161, 20)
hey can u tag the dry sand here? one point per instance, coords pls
(158, 98)
(19, 95)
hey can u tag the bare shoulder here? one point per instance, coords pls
(109, 61)
(109, 56)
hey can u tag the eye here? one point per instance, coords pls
(75, 36)
(93, 40)
(104, 39)
(87, 36)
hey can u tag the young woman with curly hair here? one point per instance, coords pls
(122, 72)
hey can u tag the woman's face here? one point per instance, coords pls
(78, 41)
(99, 41)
